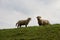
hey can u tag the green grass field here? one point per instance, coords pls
(48, 32)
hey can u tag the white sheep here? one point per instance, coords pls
(42, 21)
(23, 22)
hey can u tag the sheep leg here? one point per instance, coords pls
(25, 25)
(20, 25)
(40, 25)
(17, 26)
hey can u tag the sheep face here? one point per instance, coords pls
(38, 17)
(29, 19)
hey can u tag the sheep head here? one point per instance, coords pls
(38, 17)
(29, 19)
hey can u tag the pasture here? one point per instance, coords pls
(49, 32)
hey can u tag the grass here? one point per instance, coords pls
(48, 32)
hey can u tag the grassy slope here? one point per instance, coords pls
(32, 33)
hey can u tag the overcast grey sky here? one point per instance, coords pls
(13, 10)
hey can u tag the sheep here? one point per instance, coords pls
(23, 22)
(42, 21)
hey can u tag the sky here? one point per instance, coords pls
(12, 11)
